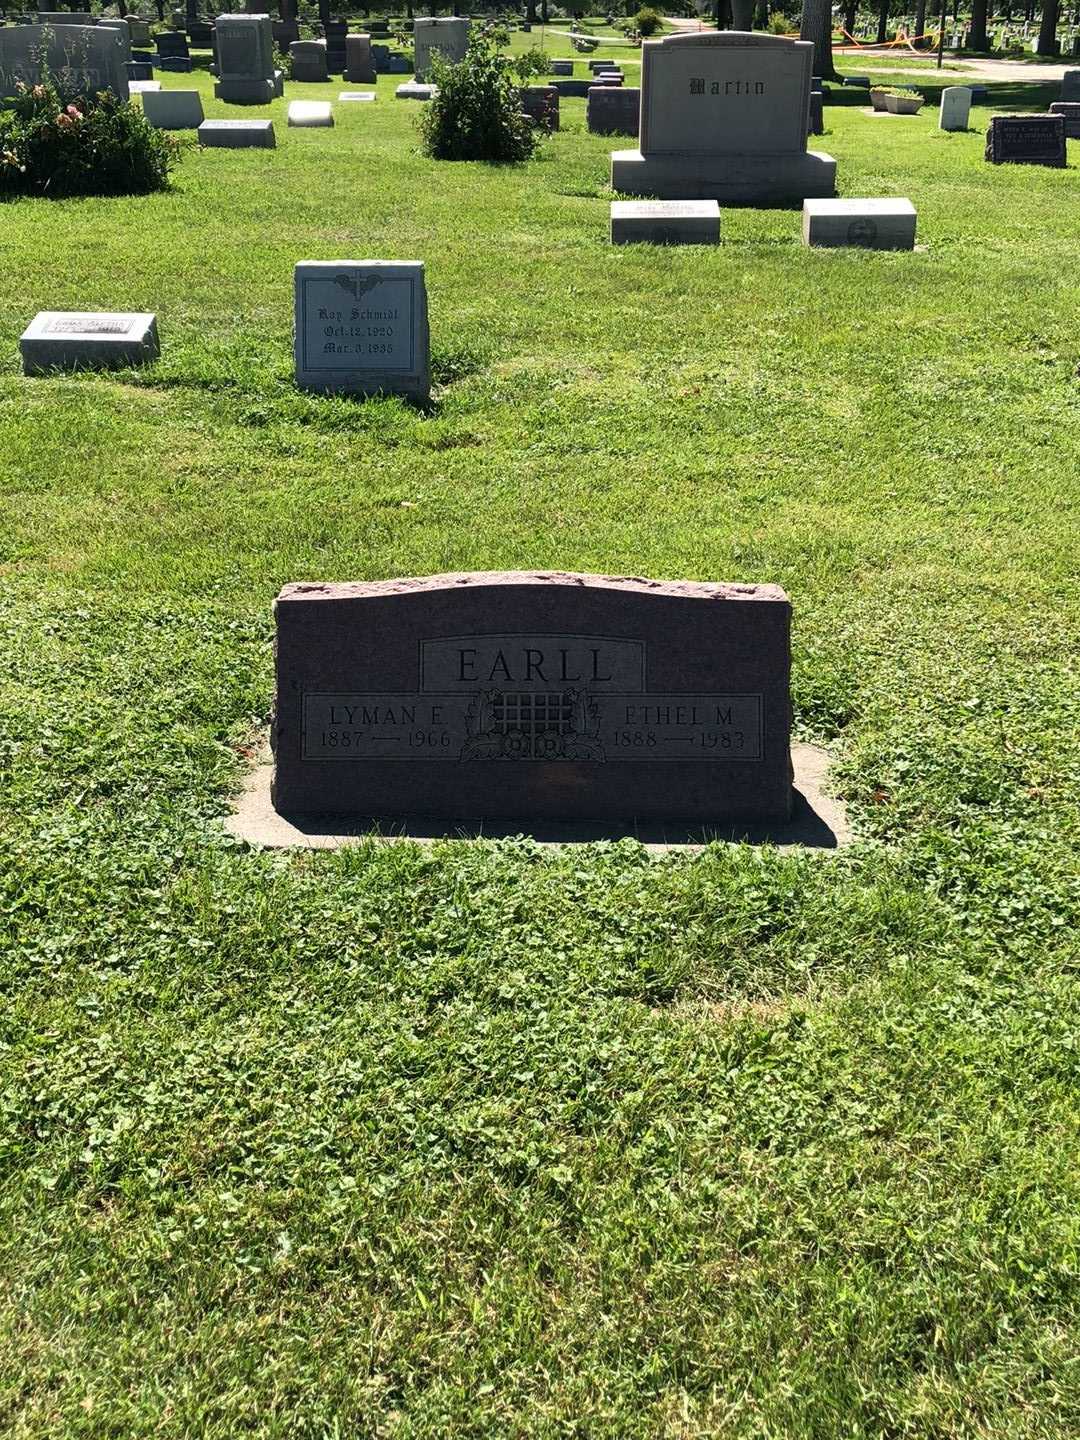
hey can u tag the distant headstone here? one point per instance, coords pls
(534, 696)
(285, 32)
(309, 61)
(238, 134)
(244, 46)
(1026, 140)
(541, 103)
(413, 90)
(138, 70)
(573, 89)
(77, 340)
(65, 17)
(612, 112)
(1069, 110)
(724, 116)
(955, 107)
(1070, 86)
(562, 67)
(310, 114)
(362, 327)
(172, 44)
(359, 63)
(174, 109)
(80, 59)
(450, 36)
(869, 224)
(665, 222)
(335, 33)
(817, 112)
(140, 32)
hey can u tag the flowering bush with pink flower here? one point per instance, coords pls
(85, 145)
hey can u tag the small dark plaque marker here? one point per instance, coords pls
(1026, 140)
(533, 696)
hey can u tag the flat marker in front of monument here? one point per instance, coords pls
(869, 224)
(237, 134)
(533, 695)
(81, 340)
(665, 222)
(362, 327)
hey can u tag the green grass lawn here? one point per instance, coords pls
(486, 1139)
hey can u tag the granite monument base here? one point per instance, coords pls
(732, 179)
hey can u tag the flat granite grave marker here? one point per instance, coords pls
(724, 116)
(1026, 140)
(173, 109)
(352, 97)
(362, 327)
(533, 696)
(238, 134)
(868, 224)
(414, 90)
(955, 108)
(665, 222)
(85, 340)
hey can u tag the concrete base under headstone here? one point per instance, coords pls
(244, 90)
(869, 224)
(665, 222)
(80, 340)
(238, 134)
(818, 820)
(733, 180)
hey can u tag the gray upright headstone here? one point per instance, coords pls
(1070, 86)
(724, 116)
(359, 62)
(450, 36)
(955, 107)
(244, 45)
(362, 327)
(81, 59)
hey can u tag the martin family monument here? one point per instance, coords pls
(533, 695)
(725, 116)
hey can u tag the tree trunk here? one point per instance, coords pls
(742, 14)
(543, 12)
(1048, 28)
(192, 11)
(530, 13)
(977, 34)
(761, 15)
(920, 18)
(324, 14)
(883, 22)
(817, 26)
(851, 11)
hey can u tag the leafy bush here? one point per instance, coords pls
(530, 64)
(647, 22)
(92, 145)
(902, 91)
(476, 111)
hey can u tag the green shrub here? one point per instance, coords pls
(647, 22)
(476, 112)
(530, 64)
(90, 145)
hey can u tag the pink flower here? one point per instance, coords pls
(74, 112)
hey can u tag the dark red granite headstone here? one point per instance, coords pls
(533, 696)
